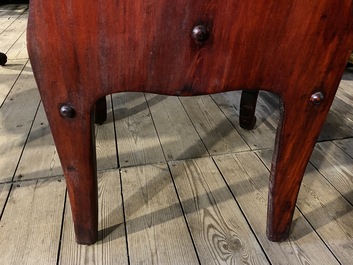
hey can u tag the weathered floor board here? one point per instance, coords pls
(40, 150)
(19, 49)
(106, 141)
(156, 229)
(176, 132)
(10, 14)
(267, 114)
(137, 138)
(31, 223)
(336, 166)
(111, 247)
(4, 191)
(216, 223)
(9, 75)
(326, 210)
(215, 130)
(248, 180)
(179, 181)
(16, 118)
(10, 34)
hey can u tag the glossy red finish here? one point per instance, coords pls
(83, 50)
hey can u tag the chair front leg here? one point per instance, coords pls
(73, 133)
(297, 132)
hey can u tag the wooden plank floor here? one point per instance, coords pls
(179, 181)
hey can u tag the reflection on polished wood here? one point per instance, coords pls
(83, 51)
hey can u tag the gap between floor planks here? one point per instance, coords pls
(325, 207)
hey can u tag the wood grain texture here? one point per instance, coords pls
(339, 121)
(267, 117)
(216, 132)
(339, 165)
(39, 151)
(11, 33)
(10, 17)
(31, 223)
(335, 165)
(9, 14)
(346, 145)
(137, 138)
(19, 49)
(177, 134)
(295, 49)
(8, 10)
(4, 192)
(106, 141)
(326, 210)
(9, 76)
(247, 177)
(111, 247)
(296, 30)
(156, 229)
(220, 233)
(20, 106)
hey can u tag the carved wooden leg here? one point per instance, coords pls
(73, 133)
(297, 132)
(101, 111)
(247, 117)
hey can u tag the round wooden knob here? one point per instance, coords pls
(67, 111)
(317, 98)
(200, 33)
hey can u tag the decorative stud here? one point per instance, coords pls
(317, 98)
(200, 33)
(67, 111)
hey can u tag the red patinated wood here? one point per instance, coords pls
(83, 50)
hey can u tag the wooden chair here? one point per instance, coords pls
(83, 50)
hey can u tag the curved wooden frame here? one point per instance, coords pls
(83, 50)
